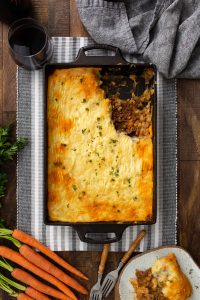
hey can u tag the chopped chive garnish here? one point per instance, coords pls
(113, 141)
(74, 187)
(84, 130)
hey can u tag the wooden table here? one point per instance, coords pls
(61, 18)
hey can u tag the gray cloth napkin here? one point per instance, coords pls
(164, 32)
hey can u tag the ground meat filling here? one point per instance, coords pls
(131, 94)
(147, 287)
(128, 117)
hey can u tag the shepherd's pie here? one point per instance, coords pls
(96, 173)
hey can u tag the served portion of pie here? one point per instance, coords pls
(163, 281)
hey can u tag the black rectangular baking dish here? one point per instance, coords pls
(115, 61)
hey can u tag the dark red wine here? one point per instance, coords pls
(30, 45)
(28, 40)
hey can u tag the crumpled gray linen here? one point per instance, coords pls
(163, 32)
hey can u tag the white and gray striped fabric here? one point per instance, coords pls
(30, 180)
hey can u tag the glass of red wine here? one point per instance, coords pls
(30, 44)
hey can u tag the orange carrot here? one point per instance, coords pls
(20, 260)
(28, 279)
(47, 266)
(29, 240)
(35, 294)
(22, 296)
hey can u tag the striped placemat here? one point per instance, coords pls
(30, 187)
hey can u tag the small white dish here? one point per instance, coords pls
(145, 261)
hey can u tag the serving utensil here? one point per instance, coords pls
(96, 293)
(111, 278)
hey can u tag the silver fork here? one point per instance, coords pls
(96, 293)
(111, 278)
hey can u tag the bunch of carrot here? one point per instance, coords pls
(24, 293)
(29, 259)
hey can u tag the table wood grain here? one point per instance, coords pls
(61, 19)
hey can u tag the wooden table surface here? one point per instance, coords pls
(61, 18)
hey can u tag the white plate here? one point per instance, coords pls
(145, 261)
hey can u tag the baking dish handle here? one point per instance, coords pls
(100, 230)
(117, 58)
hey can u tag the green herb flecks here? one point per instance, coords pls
(128, 180)
(114, 172)
(85, 130)
(113, 141)
(74, 187)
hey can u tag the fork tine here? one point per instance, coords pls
(107, 286)
(109, 280)
(96, 297)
